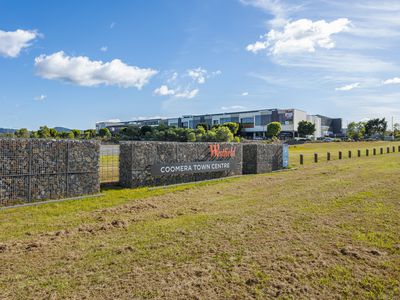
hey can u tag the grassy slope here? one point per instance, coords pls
(322, 231)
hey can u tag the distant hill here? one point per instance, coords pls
(62, 129)
(7, 130)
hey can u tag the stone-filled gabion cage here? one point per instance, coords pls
(37, 169)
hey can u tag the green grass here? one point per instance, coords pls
(321, 149)
(320, 231)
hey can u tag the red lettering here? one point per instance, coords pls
(216, 152)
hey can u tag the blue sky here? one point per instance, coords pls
(72, 63)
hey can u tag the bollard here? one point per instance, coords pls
(374, 151)
(381, 150)
(340, 154)
(367, 152)
(301, 159)
(315, 157)
(328, 156)
(349, 154)
(388, 150)
(359, 153)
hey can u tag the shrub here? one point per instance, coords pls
(232, 126)
(273, 129)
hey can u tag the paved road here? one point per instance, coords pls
(109, 150)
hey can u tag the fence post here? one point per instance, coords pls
(367, 152)
(349, 153)
(374, 151)
(328, 156)
(340, 154)
(315, 157)
(359, 153)
(381, 150)
(301, 159)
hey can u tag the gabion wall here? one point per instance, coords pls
(262, 158)
(36, 169)
(137, 158)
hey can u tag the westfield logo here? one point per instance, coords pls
(216, 151)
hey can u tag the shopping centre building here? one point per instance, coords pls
(253, 123)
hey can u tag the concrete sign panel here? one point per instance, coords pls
(285, 157)
(191, 168)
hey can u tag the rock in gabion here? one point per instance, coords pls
(262, 158)
(38, 169)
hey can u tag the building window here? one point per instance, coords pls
(247, 122)
(215, 122)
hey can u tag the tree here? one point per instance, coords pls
(375, 126)
(223, 134)
(396, 131)
(77, 133)
(104, 133)
(22, 133)
(144, 130)
(54, 133)
(90, 134)
(44, 132)
(131, 133)
(232, 126)
(356, 130)
(273, 129)
(67, 135)
(203, 125)
(305, 128)
(191, 137)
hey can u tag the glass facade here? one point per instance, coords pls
(263, 120)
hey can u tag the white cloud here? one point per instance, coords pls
(199, 75)
(301, 36)
(12, 42)
(395, 80)
(348, 87)
(245, 93)
(40, 97)
(104, 49)
(187, 94)
(82, 71)
(276, 8)
(233, 107)
(164, 91)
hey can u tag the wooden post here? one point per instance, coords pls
(315, 157)
(301, 159)
(328, 156)
(367, 152)
(359, 153)
(349, 153)
(340, 154)
(374, 151)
